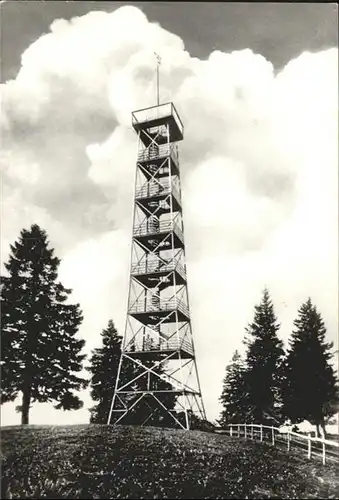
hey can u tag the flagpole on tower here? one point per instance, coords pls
(158, 64)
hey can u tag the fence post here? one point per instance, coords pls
(288, 441)
(231, 429)
(238, 430)
(261, 436)
(324, 453)
(273, 435)
(245, 431)
(252, 431)
(309, 448)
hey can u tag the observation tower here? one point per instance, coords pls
(157, 379)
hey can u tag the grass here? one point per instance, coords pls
(98, 461)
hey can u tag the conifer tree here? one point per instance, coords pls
(40, 354)
(264, 360)
(104, 364)
(233, 396)
(310, 390)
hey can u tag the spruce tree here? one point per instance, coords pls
(40, 354)
(264, 360)
(104, 364)
(310, 389)
(233, 396)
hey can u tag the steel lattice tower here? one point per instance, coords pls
(158, 340)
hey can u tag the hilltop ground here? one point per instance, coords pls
(99, 461)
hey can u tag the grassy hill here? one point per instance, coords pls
(98, 461)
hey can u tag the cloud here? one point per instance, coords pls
(258, 164)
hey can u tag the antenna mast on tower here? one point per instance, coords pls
(158, 64)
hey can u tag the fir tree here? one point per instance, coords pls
(104, 364)
(264, 360)
(233, 396)
(310, 389)
(40, 354)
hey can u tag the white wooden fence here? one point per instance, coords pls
(314, 447)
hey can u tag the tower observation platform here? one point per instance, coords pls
(157, 379)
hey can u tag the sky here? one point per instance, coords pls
(256, 88)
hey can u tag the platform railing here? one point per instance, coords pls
(173, 344)
(161, 151)
(151, 189)
(142, 306)
(147, 228)
(186, 346)
(151, 267)
(155, 112)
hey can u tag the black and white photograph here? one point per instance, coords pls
(169, 250)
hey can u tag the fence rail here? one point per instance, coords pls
(313, 446)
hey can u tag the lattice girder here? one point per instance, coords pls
(157, 373)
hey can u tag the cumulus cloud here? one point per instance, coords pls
(259, 175)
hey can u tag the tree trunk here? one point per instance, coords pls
(27, 380)
(322, 424)
(26, 403)
(317, 431)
